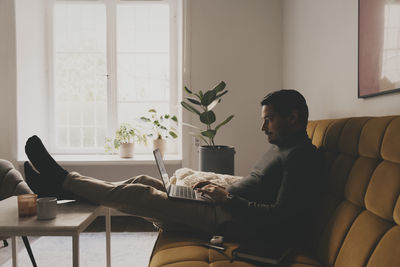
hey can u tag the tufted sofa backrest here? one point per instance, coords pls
(11, 181)
(359, 222)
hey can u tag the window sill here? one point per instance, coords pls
(99, 159)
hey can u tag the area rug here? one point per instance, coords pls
(128, 249)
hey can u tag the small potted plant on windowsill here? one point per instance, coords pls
(160, 128)
(125, 138)
(215, 158)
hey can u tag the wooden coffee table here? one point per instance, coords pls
(72, 218)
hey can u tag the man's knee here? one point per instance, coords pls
(148, 180)
(141, 179)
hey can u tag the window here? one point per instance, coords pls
(111, 61)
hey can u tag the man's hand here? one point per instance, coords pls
(214, 191)
(204, 183)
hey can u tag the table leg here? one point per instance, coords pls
(14, 251)
(108, 237)
(75, 250)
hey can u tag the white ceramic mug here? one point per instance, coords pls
(46, 208)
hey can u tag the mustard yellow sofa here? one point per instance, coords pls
(359, 222)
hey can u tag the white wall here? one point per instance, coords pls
(7, 80)
(32, 75)
(320, 46)
(239, 42)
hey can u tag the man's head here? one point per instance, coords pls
(284, 113)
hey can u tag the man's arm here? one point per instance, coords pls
(300, 188)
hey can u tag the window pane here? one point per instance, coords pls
(62, 136)
(80, 66)
(143, 28)
(143, 59)
(88, 136)
(143, 77)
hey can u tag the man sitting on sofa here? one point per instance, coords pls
(273, 203)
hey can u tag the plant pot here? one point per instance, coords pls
(161, 144)
(218, 159)
(126, 150)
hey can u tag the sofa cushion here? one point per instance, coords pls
(387, 251)
(11, 181)
(358, 245)
(358, 180)
(372, 136)
(383, 190)
(391, 142)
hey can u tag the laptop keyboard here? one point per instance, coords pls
(183, 191)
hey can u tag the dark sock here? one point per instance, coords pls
(42, 160)
(31, 176)
(44, 186)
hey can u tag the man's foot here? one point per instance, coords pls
(42, 160)
(49, 179)
(42, 185)
(30, 177)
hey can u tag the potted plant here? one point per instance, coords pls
(161, 128)
(125, 138)
(215, 158)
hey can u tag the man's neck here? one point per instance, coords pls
(294, 138)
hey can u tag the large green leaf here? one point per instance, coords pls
(221, 94)
(187, 90)
(208, 98)
(219, 87)
(207, 117)
(213, 104)
(194, 101)
(190, 108)
(224, 122)
(209, 133)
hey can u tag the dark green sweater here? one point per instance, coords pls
(282, 192)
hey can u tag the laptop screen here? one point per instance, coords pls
(161, 168)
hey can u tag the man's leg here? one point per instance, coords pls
(141, 196)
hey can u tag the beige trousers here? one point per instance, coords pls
(144, 196)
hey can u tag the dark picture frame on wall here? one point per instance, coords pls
(378, 47)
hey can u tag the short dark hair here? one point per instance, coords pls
(285, 101)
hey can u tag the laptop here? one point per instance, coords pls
(177, 191)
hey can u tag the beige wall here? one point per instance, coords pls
(239, 42)
(7, 80)
(320, 59)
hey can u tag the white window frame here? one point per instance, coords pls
(112, 87)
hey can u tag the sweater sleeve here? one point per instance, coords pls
(298, 189)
